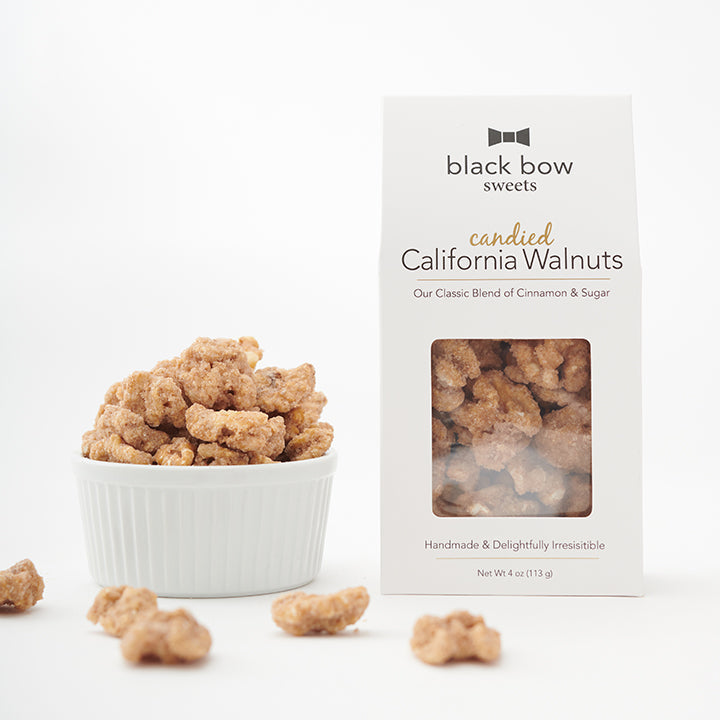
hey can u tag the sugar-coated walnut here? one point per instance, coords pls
(159, 400)
(214, 373)
(166, 637)
(311, 443)
(497, 400)
(299, 613)
(445, 398)
(461, 467)
(280, 390)
(131, 427)
(252, 350)
(112, 448)
(304, 415)
(179, 451)
(490, 353)
(454, 362)
(214, 454)
(494, 449)
(441, 438)
(531, 475)
(457, 636)
(245, 430)
(565, 438)
(20, 586)
(578, 498)
(535, 361)
(575, 370)
(276, 442)
(117, 608)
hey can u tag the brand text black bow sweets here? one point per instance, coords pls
(521, 136)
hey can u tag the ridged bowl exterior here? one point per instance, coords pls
(205, 531)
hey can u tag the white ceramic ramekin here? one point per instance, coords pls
(205, 531)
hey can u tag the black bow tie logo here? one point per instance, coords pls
(521, 136)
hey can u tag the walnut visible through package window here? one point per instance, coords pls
(511, 427)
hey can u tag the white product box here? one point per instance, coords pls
(510, 312)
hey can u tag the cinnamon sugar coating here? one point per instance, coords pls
(244, 430)
(299, 613)
(457, 636)
(311, 443)
(179, 451)
(280, 390)
(214, 373)
(131, 427)
(211, 405)
(565, 438)
(522, 422)
(20, 586)
(117, 608)
(166, 637)
(159, 400)
(215, 454)
(112, 448)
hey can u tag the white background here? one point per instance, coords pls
(175, 169)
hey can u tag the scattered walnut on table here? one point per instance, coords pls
(166, 637)
(20, 586)
(458, 636)
(117, 608)
(299, 613)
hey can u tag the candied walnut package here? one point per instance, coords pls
(510, 340)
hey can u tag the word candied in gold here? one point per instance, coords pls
(517, 237)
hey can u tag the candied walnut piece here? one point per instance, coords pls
(575, 370)
(252, 350)
(20, 586)
(454, 362)
(458, 636)
(490, 353)
(535, 361)
(244, 430)
(276, 443)
(214, 373)
(306, 414)
(498, 400)
(461, 468)
(166, 637)
(565, 438)
(117, 608)
(280, 390)
(112, 448)
(444, 398)
(131, 428)
(299, 613)
(179, 451)
(578, 498)
(156, 398)
(441, 438)
(493, 450)
(531, 475)
(214, 454)
(312, 443)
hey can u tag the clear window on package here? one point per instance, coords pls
(511, 427)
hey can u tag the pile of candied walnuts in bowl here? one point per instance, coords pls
(211, 405)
